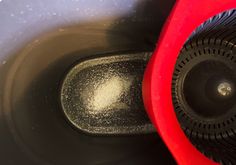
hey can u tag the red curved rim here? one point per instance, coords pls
(186, 16)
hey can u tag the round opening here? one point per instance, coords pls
(203, 87)
(209, 88)
(215, 137)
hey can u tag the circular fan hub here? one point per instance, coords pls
(203, 93)
(208, 87)
(203, 88)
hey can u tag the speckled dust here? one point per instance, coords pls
(103, 95)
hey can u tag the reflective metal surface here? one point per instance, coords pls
(103, 95)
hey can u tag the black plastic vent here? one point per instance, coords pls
(204, 88)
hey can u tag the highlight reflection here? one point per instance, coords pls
(108, 94)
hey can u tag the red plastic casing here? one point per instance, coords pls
(185, 17)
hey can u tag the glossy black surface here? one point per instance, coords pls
(39, 42)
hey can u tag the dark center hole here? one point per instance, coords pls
(209, 88)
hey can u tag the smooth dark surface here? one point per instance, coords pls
(39, 42)
(200, 88)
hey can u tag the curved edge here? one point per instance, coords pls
(186, 16)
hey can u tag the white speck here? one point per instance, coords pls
(54, 14)
(1, 0)
(4, 62)
(77, 9)
(12, 15)
(224, 89)
(22, 12)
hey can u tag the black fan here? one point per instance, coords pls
(203, 88)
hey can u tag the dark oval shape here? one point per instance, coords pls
(103, 95)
